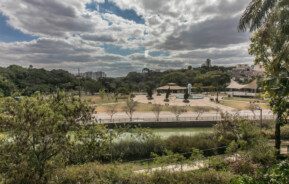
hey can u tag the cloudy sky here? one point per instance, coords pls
(118, 36)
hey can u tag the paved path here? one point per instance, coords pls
(179, 102)
(167, 114)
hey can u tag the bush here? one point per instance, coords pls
(95, 173)
(168, 158)
(243, 166)
(207, 177)
(136, 150)
(218, 163)
(285, 132)
(262, 153)
(184, 144)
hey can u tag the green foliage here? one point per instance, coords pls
(196, 155)
(218, 163)
(130, 108)
(285, 132)
(90, 143)
(30, 80)
(261, 152)
(277, 174)
(150, 93)
(135, 150)
(185, 144)
(37, 128)
(243, 132)
(243, 166)
(270, 47)
(95, 173)
(168, 158)
(186, 96)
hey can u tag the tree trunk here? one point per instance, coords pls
(278, 134)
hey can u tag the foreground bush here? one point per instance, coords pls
(184, 144)
(99, 174)
(136, 150)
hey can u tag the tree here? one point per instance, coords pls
(256, 14)
(130, 108)
(177, 111)
(270, 47)
(168, 93)
(91, 143)
(102, 94)
(157, 110)
(38, 128)
(186, 96)
(200, 110)
(150, 93)
(111, 110)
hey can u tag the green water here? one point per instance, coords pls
(167, 132)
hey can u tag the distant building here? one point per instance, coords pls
(208, 63)
(242, 90)
(93, 75)
(245, 72)
(172, 87)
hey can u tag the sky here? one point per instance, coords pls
(119, 36)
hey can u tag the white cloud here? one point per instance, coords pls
(71, 36)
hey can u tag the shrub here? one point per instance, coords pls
(262, 153)
(218, 163)
(285, 132)
(135, 150)
(95, 173)
(168, 158)
(184, 144)
(204, 176)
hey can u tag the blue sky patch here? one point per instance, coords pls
(9, 34)
(110, 7)
(114, 49)
(159, 53)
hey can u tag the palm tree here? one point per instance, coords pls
(256, 14)
(266, 17)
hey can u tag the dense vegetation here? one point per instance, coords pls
(49, 137)
(209, 78)
(26, 81)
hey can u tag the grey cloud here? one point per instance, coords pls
(99, 38)
(217, 32)
(46, 17)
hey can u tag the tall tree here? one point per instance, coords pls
(177, 111)
(157, 111)
(130, 108)
(269, 20)
(38, 129)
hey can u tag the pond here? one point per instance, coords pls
(167, 132)
(164, 133)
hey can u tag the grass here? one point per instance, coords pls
(242, 105)
(167, 132)
(97, 100)
(244, 99)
